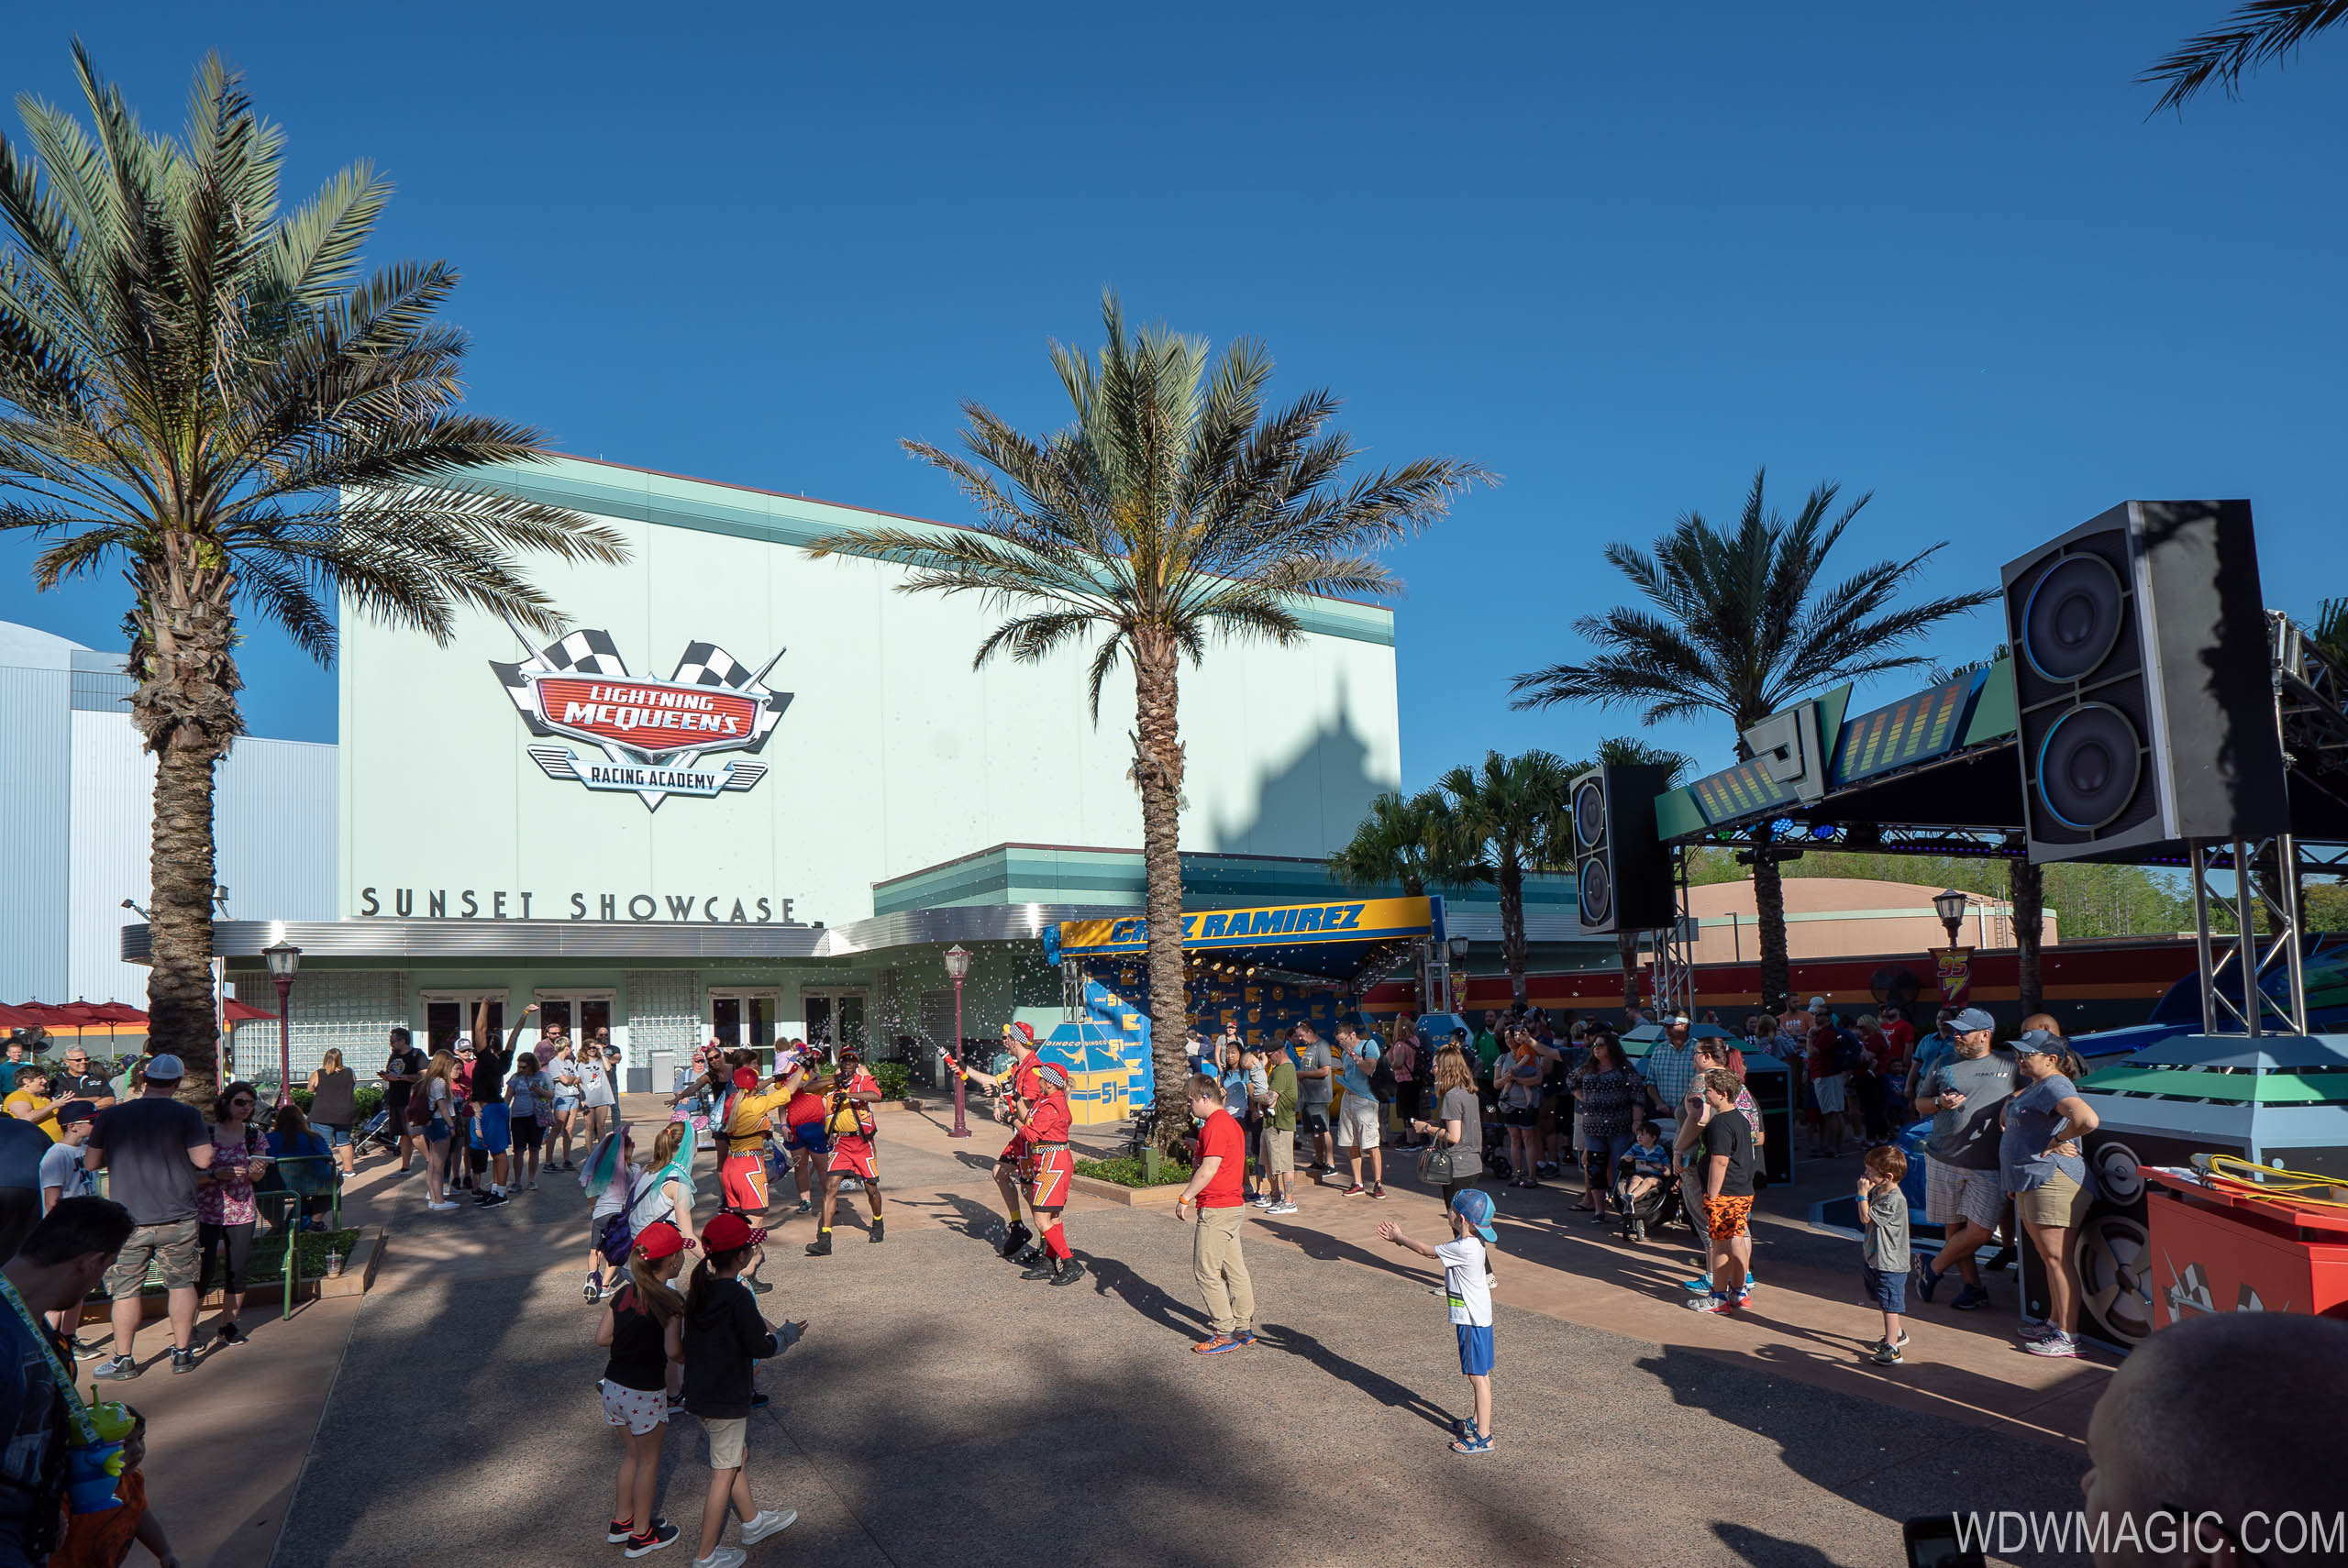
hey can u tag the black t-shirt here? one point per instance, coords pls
(64, 1085)
(639, 1358)
(410, 1060)
(1728, 1133)
(489, 1074)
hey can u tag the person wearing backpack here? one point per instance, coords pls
(724, 1336)
(432, 1111)
(643, 1325)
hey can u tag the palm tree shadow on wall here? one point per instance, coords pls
(1312, 804)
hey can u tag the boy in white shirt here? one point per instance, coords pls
(1467, 1288)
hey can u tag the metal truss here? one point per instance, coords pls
(1675, 953)
(2212, 949)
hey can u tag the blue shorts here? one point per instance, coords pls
(1474, 1349)
(434, 1131)
(1889, 1291)
(810, 1136)
(336, 1137)
(492, 1128)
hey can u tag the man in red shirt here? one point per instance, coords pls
(1901, 1035)
(1046, 1122)
(1214, 1189)
(1014, 1167)
(848, 1119)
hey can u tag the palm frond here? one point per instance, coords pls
(2258, 31)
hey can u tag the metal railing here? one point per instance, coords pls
(283, 1205)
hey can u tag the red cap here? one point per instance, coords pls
(660, 1240)
(1027, 1031)
(744, 1077)
(727, 1230)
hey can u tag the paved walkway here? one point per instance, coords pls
(940, 1405)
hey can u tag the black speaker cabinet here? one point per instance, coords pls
(1622, 872)
(1774, 1098)
(2142, 678)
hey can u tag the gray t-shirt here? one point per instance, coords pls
(1885, 1246)
(1966, 1137)
(1459, 1105)
(148, 1168)
(1311, 1092)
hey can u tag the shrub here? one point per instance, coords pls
(894, 1079)
(1127, 1171)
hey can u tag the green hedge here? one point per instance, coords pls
(1127, 1171)
(894, 1078)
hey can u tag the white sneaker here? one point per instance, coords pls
(440, 1207)
(1282, 1206)
(768, 1522)
(724, 1557)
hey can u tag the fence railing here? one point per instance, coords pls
(284, 1204)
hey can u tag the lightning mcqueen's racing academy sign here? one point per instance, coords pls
(648, 737)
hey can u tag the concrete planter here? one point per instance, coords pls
(1131, 1196)
(356, 1278)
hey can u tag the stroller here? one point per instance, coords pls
(1653, 1209)
(379, 1133)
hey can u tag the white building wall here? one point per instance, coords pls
(894, 755)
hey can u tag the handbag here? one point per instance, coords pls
(1439, 1166)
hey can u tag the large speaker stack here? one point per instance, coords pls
(2143, 681)
(1622, 871)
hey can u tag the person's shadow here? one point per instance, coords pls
(1384, 1389)
(1112, 1278)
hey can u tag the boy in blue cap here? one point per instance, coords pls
(1467, 1283)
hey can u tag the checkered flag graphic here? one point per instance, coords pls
(581, 653)
(706, 664)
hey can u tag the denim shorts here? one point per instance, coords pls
(1889, 1291)
(436, 1130)
(336, 1137)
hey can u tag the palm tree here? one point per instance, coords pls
(1172, 509)
(1738, 622)
(1400, 843)
(1623, 751)
(1506, 817)
(2258, 31)
(202, 392)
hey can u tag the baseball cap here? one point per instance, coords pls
(74, 1111)
(2029, 1042)
(1972, 1020)
(165, 1068)
(1817, 1004)
(744, 1077)
(728, 1231)
(1025, 1031)
(1682, 1018)
(1475, 1206)
(660, 1240)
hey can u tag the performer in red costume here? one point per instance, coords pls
(849, 1118)
(1047, 1123)
(1018, 1089)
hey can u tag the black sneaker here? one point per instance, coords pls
(2003, 1258)
(495, 1200)
(1014, 1237)
(758, 1401)
(1048, 1268)
(84, 1351)
(662, 1533)
(1028, 1254)
(878, 1232)
(821, 1247)
(1071, 1272)
(759, 1286)
(182, 1360)
(232, 1335)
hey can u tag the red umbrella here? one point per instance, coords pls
(18, 1018)
(114, 1012)
(237, 1012)
(56, 1016)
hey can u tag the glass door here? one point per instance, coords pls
(742, 1017)
(448, 1016)
(836, 1018)
(582, 1015)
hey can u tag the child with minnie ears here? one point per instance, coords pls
(643, 1326)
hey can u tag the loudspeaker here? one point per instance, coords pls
(2143, 683)
(1622, 872)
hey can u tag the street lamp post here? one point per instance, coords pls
(1950, 907)
(957, 969)
(283, 959)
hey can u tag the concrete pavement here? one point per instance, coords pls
(941, 1406)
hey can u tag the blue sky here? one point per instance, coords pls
(1621, 256)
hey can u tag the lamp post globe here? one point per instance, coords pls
(283, 959)
(1950, 906)
(957, 969)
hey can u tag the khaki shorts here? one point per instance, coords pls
(1280, 1152)
(1357, 1122)
(728, 1443)
(2058, 1206)
(172, 1247)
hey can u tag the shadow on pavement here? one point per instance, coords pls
(1383, 1389)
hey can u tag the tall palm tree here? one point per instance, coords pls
(1172, 509)
(203, 392)
(1506, 818)
(2258, 31)
(1624, 751)
(1401, 843)
(1739, 622)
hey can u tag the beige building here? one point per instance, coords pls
(1829, 917)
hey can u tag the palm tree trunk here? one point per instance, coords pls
(1626, 949)
(1769, 903)
(2026, 888)
(1510, 878)
(1157, 774)
(185, 706)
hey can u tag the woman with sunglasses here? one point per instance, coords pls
(224, 1211)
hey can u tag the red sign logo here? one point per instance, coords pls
(650, 716)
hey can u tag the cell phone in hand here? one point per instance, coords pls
(1932, 1542)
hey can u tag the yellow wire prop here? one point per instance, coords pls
(2252, 1180)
